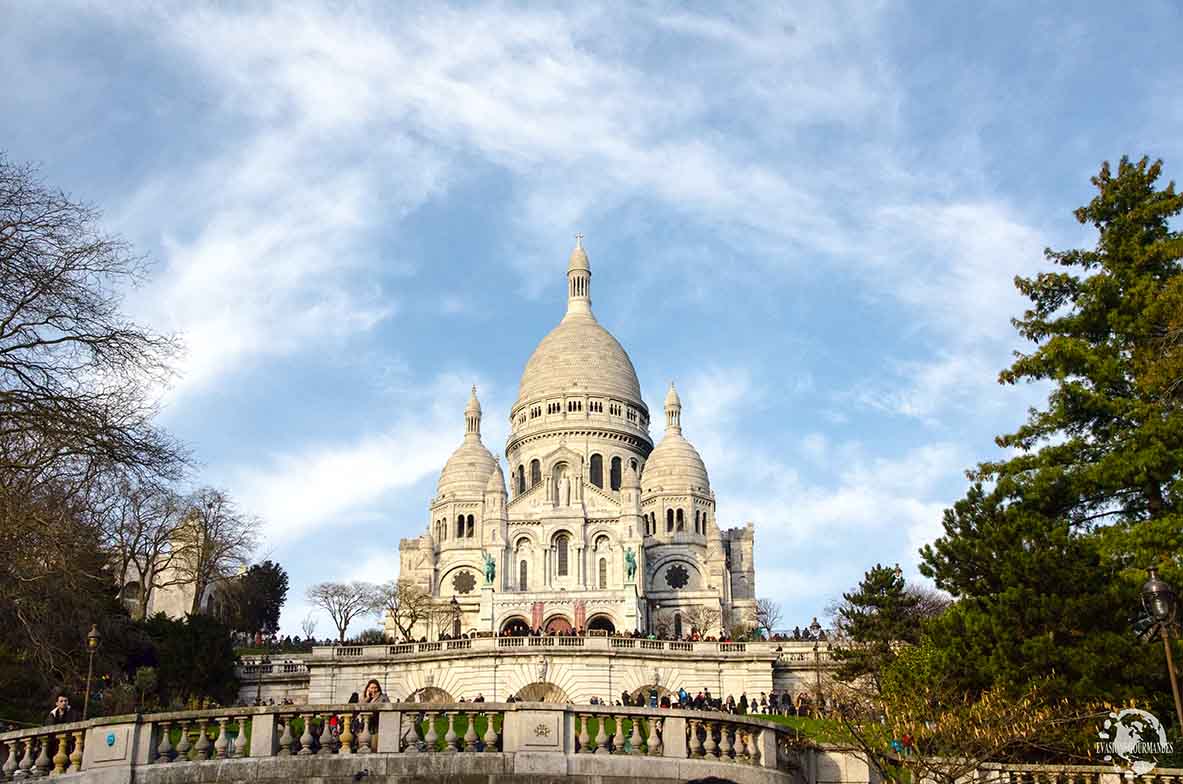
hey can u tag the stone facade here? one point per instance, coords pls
(598, 528)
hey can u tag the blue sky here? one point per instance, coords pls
(809, 216)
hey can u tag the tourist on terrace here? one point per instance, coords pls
(373, 692)
(62, 713)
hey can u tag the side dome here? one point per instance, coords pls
(674, 463)
(468, 470)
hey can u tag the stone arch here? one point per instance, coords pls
(642, 692)
(515, 625)
(557, 623)
(540, 691)
(430, 694)
(601, 622)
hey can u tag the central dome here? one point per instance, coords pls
(579, 355)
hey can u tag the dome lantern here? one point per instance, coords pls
(673, 410)
(578, 281)
(472, 416)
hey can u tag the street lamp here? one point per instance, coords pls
(92, 645)
(455, 616)
(815, 631)
(1158, 599)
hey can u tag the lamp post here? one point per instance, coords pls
(1158, 599)
(455, 604)
(815, 630)
(92, 645)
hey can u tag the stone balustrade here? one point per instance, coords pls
(150, 742)
(789, 651)
(390, 742)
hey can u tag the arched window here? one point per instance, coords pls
(678, 625)
(681, 522)
(615, 475)
(469, 529)
(697, 530)
(603, 573)
(669, 521)
(521, 479)
(535, 472)
(561, 555)
(597, 470)
(522, 574)
(460, 526)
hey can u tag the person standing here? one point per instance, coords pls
(62, 712)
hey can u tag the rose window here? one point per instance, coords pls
(676, 577)
(464, 582)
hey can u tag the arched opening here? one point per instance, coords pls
(430, 694)
(523, 575)
(614, 476)
(597, 470)
(460, 526)
(541, 692)
(678, 625)
(643, 694)
(521, 479)
(669, 521)
(515, 627)
(561, 555)
(535, 472)
(681, 521)
(601, 623)
(469, 527)
(557, 624)
(603, 574)
(696, 521)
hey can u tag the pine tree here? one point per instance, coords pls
(1047, 550)
(877, 616)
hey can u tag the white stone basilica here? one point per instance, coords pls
(600, 530)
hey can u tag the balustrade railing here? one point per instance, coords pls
(194, 737)
(44, 751)
(798, 652)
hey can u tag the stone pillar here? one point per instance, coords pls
(389, 731)
(673, 738)
(485, 620)
(263, 741)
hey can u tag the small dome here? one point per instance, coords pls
(675, 465)
(578, 256)
(671, 398)
(496, 483)
(468, 470)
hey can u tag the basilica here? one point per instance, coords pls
(597, 528)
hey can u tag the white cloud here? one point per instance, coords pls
(338, 483)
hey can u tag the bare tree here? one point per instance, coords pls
(78, 381)
(141, 531)
(308, 626)
(767, 615)
(405, 603)
(344, 602)
(702, 617)
(214, 541)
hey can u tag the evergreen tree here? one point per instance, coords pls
(880, 614)
(259, 596)
(1048, 548)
